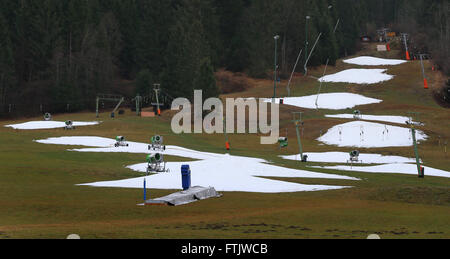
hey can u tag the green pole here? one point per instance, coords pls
(275, 71)
(416, 151)
(299, 141)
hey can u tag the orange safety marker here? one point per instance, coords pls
(425, 83)
(227, 145)
(408, 57)
(159, 112)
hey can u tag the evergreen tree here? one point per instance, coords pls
(206, 80)
(6, 61)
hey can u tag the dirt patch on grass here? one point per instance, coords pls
(418, 195)
(441, 90)
(230, 82)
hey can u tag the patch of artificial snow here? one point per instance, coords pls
(369, 135)
(330, 101)
(358, 76)
(391, 119)
(37, 125)
(106, 145)
(222, 171)
(79, 141)
(390, 169)
(342, 157)
(372, 61)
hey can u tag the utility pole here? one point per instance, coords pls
(425, 81)
(405, 41)
(321, 81)
(337, 24)
(298, 122)
(227, 143)
(275, 70)
(288, 87)
(157, 88)
(411, 123)
(306, 41)
(309, 56)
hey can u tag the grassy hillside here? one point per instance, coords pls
(39, 197)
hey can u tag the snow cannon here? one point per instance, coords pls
(354, 153)
(304, 158)
(283, 141)
(156, 164)
(121, 142)
(354, 156)
(69, 125)
(157, 143)
(157, 139)
(47, 117)
(155, 158)
(357, 114)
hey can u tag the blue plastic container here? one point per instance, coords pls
(186, 177)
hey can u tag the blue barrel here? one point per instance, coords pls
(186, 177)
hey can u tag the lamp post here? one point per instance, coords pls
(306, 37)
(276, 37)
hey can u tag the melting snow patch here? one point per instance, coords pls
(369, 135)
(358, 76)
(330, 101)
(390, 169)
(36, 125)
(391, 119)
(342, 157)
(372, 61)
(222, 171)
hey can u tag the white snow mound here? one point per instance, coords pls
(372, 61)
(370, 135)
(391, 119)
(329, 101)
(37, 125)
(342, 157)
(358, 76)
(410, 169)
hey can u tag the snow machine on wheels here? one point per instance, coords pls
(69, 125)
(357, 115)
(47, 116)
(354, 157)
(157, 143)
(121, 142)
(156, 164)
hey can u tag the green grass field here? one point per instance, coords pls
(39, 197)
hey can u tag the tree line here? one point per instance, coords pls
(59, 52)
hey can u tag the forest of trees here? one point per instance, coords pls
(60, 52)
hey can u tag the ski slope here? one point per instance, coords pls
(221, 171)
(38, 125)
